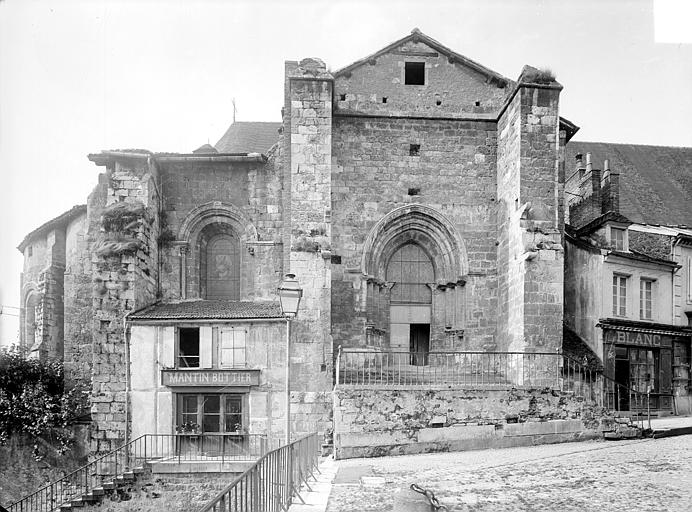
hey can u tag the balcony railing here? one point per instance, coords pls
(456, 369)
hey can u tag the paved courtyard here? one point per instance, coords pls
(641, 475)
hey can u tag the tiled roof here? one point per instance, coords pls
(61, 219)
(655, 181)
(208, 309)
(249, 137)
(204, 149)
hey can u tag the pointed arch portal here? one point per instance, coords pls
(415, 264)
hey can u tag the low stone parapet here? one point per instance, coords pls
(372, 422)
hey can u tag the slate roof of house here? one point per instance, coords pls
(655, 181)
(208, 310)
(249, 137)
(61, 219)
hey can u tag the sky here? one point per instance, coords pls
(79, 77)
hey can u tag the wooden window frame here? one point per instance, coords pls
(237, 347)
(643, 299)
(620, 297)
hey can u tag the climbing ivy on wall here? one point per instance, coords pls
(33, 399)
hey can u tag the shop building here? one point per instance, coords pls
(626, 281)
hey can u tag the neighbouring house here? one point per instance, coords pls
(628, 267)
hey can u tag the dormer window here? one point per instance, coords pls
(618, 239)
(414, 73)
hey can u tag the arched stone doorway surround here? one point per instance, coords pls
(394, 325)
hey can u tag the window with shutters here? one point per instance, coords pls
(232, 348)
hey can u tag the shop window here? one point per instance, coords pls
(215, 413)
(646, 299)
(618, 239)
(414, 73)
(188, 348)
(643, 369)
(232, 348)
(619, 295)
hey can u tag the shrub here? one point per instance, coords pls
(33, 401)
(538, 76)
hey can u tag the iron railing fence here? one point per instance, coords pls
(487, 370)
(455, 369)
(104, 471)
(272, 482)
(594, 385)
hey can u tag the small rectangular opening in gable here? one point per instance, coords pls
(384, 99)
(414, 73)
(342, 97)
(414, 150)
(414, 191)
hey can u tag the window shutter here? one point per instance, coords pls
(205, 347)
(666, 371)
(239, 348)
(167, 347)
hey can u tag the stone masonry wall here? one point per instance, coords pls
(377, 422)
(121, 283)
(374, 173)
(308, 125)
(530, 256)
(542, 183)
(254, 190)
(78, 304)
(451, 89)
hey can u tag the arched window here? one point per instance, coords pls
(220, 267)
(411, 270)
(31, 301)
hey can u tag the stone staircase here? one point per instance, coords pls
(97, 494)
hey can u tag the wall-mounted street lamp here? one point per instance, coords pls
(290, 293)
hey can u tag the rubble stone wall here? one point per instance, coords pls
(377, 422)
(122, 282)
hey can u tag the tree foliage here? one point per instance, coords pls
(33, 400)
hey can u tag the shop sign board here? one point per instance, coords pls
(206, 378)
(641, 339)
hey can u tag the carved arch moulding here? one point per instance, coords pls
(428, 228)
(216, 212)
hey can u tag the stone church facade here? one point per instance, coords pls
(416, 195)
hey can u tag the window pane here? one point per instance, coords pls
(233, 417)
(232, 348)
(211, 413)
(188, 348)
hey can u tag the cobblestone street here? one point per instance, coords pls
(642, 475)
